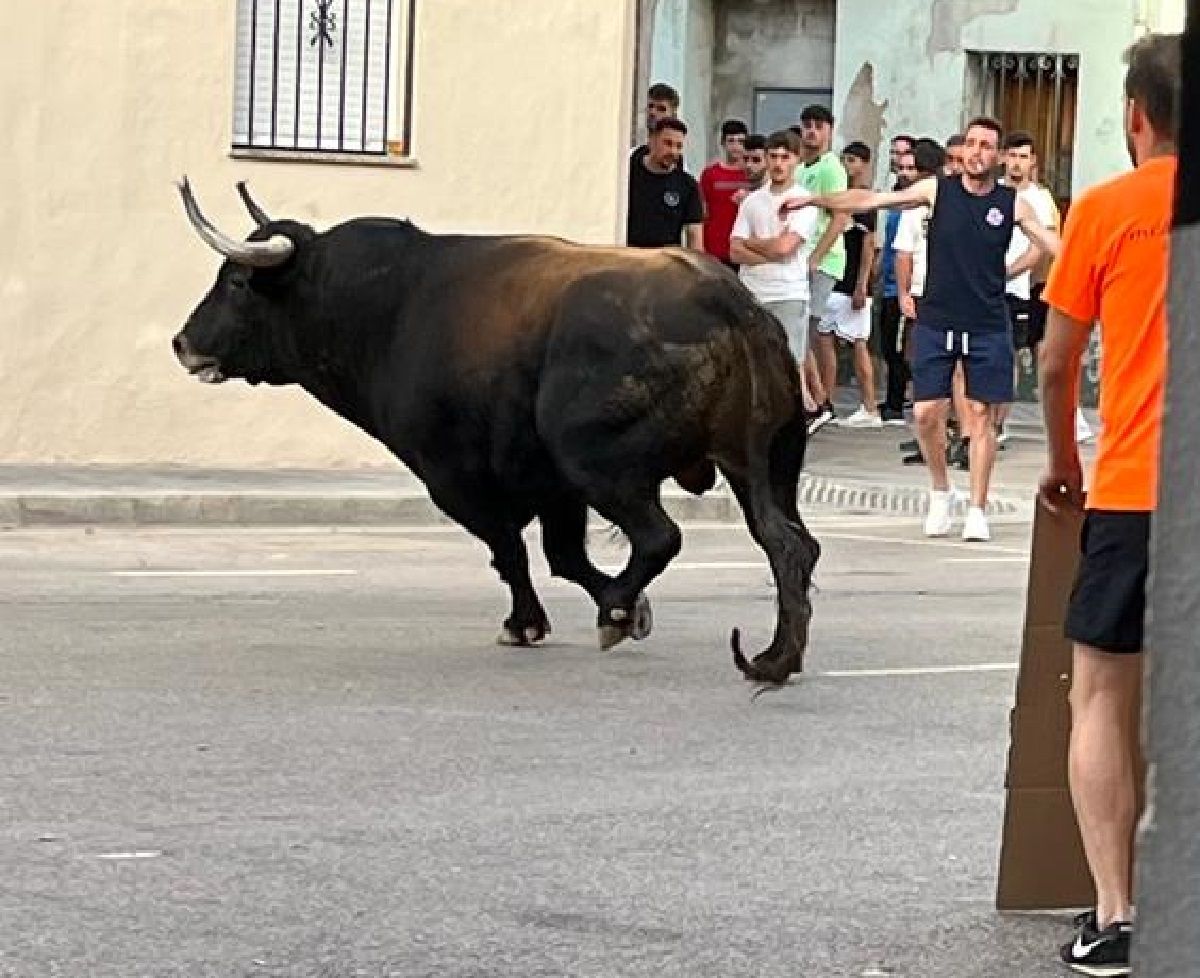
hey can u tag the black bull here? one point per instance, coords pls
(523, 377)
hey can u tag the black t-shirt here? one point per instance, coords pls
(660, 204)
(855, 234)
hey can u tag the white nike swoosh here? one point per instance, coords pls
(1081, 950)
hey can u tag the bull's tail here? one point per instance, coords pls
(776, 436)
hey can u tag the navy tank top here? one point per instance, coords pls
(966, 271)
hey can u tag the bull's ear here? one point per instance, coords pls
(260, 216)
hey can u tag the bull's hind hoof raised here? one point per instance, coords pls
(624, 625)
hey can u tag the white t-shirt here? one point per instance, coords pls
(758, 217)
(1042, 204)
(912, 236)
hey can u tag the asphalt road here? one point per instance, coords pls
(293, 753)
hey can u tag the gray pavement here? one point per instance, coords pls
(856, 471)
(268, 752)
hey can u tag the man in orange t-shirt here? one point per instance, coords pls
(1113, 269)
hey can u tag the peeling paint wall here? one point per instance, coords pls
(917, 54)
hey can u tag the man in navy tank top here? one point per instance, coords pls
(963, 315)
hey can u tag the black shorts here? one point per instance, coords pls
(987, 362)
(1108, 603)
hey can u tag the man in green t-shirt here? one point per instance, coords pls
(822, 173)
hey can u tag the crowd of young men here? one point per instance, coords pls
(959, 285)
(971, 274)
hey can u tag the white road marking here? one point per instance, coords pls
(986, 548)
(136, 854)
(920, 670)
(986, 560)
(277, 572)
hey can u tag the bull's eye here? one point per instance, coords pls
(239, 283)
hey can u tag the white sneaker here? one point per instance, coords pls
(862, 418)
(938, 521)
(976, 527)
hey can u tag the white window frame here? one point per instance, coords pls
(395, 149)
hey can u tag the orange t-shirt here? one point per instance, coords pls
(1113, 268)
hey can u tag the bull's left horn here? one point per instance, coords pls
(257, 254)
(260, 216)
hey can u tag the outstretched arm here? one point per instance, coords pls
(849, 201)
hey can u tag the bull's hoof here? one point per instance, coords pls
(530, 635)
(769, 667)
(624, 625)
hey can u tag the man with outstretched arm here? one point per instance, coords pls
(963, 315)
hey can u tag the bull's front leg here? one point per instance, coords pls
(483, 514)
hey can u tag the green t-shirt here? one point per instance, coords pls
(826, 176)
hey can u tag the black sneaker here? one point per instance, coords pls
(819, 420)
(1100, 953)
(892, 417)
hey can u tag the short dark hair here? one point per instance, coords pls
(734, 127)
(1019, 140)
(902, 137)
(928, 155)
(1153, 80)
(670, 122)
(756, 141)
(986, 122)
(816, 113)
(662, 92)
(784, 139)
(958, 139)
(859, 150)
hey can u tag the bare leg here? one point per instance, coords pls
(865, 370)
(979, 424)
(931, 434)
(826, 355)
(1105, 707)
(812, 377)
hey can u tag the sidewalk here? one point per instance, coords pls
(847, 470)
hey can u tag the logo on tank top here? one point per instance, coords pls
(995, 217)
(671, 199)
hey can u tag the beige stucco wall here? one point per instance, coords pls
(521, 119)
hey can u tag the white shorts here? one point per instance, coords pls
(845, 322)
(793, 314)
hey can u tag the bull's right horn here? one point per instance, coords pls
(256, 254)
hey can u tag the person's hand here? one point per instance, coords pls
(908, 307)
(814, 264)
(796, 203)
(740, 195)
(1061, 488)
(859, 299)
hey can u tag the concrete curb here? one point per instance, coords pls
(231, 507)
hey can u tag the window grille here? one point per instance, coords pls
(318, 76)
(1036, 93)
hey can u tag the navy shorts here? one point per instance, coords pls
(1108, 603)
(987, 361)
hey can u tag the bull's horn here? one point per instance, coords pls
(260, 216)
(257, 254)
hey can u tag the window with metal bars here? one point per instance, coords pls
(1034, 93)
(323, 76)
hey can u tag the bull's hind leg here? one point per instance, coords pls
(792, 551)
(483, 514)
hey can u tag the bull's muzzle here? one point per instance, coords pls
(207, 369)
